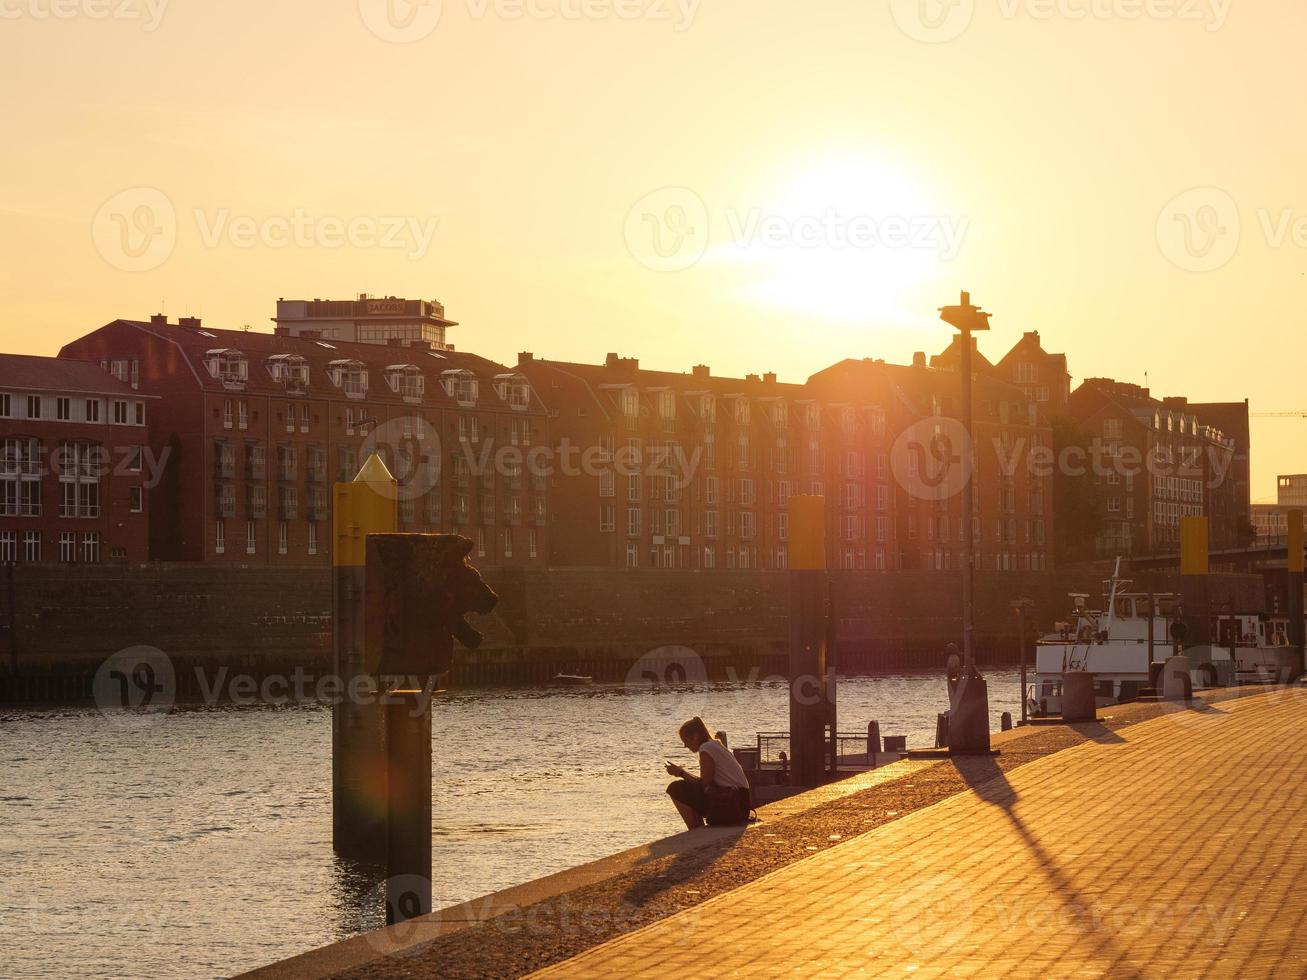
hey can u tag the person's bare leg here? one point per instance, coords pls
(692, 819)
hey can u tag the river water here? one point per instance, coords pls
(200, 845)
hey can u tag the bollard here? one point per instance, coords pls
(408, 809)
(1292, 661)
(365, 506)
(873, 737)
(809, 709)
(941, 730)
(1177, 683)
(1005, 722)
(1079, 703)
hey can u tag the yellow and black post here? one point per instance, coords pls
(810, 692)
(1295, 584)
(366, 506)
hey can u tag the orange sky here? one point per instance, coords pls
(761, 185)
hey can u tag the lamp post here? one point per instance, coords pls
(1019, 606)
(969, 715)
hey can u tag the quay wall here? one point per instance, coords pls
(267, 621)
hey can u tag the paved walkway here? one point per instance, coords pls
(1173, 848)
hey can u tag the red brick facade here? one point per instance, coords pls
(260, 425)
(75, 471)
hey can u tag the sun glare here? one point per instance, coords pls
(844, 238)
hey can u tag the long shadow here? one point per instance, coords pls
(1096, 731)
(685, 865)
(983, 775)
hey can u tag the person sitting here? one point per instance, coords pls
(720, 794)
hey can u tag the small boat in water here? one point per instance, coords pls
(1114, 643)
(1258, 643)
(573, 679)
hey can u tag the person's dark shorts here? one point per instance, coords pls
(690, 793)
(726, 808)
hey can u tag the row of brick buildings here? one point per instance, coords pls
(606, 464)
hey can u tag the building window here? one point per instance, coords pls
(283, 538)
(508, 542)
(20, 478)
(119, 413)
(632, 556)
(313, 538)
(219, 538)
(607, 518)
(92, 410)
(8, 546)
(481, 542)
(79, 480)
(633, 520)
(63, 409)
(90, 547)
(67, 546)
(31, 546)
(6, 407)
(136, 497)
(532, 543)
(33, 406)
(251, 538)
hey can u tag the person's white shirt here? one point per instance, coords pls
(726, 769)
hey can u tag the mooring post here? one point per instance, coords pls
(809, 710)
(365, 506)
(408, 797)
(1195, 565)
(1295, 585)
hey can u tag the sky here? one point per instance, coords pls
(756, 185)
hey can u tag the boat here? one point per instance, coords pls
(1115, 644)
(573, 679)
(1258, 645)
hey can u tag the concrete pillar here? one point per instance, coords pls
(365, 506)
(1079, 702)
(1195, 589)
(1176, 681)
(1295, 585)
(408, 796)
(810, 710)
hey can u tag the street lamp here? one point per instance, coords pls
(969, 716)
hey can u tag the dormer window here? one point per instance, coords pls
(407, 381)
(290, 370)
(349, 376)
(228, 365)
(515, 390)
(460, 385)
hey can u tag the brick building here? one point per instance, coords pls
(74, 466)
(677, 470)
(1151, 462)
(258, 426)
(718, 459)
(1013, 504)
